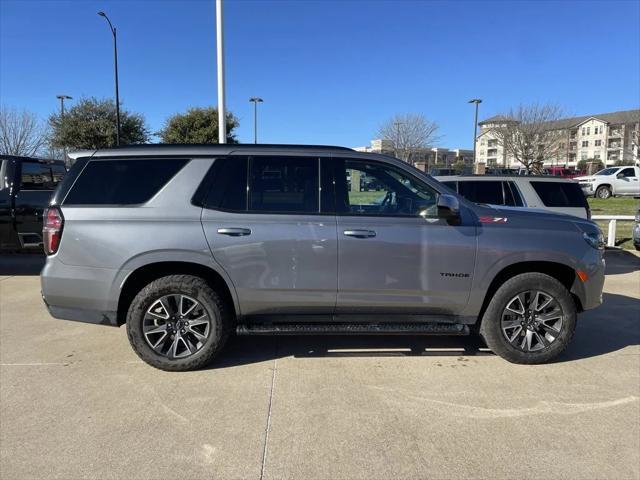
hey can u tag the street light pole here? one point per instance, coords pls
(255, 101)
(115, 58)
(222, 119)
(477, 101)
(397, 141)
(62, 98)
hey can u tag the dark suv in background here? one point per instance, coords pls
(26, 184)
(187, 244)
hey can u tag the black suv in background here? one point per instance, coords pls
(26, 184)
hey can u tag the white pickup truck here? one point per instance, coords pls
(622, 181)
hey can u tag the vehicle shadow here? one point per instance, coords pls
(247, 350)
(621, 261)
(21, 263)
(609, 328)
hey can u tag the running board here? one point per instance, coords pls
(354, 329)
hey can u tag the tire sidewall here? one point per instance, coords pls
(491, 329)
(603, 189)
(150, 294)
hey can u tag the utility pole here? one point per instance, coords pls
(477, 101)
(222, 119)
(115, 62)
(255, 101)
(62, 98)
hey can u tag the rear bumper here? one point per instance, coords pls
(81, 294)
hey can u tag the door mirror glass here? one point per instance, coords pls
(449, 208)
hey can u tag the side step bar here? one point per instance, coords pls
(354, 329)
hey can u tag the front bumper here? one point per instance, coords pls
(589, 292)
(587, 188)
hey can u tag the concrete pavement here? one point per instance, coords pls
(76, 403)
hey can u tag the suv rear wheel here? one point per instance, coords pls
(178, 323)
(530, 319)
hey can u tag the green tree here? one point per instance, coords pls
(197, 125)
(91, 123)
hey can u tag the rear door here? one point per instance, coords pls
(394, 255)
(8, 237)
(34, 191)
(263, 224)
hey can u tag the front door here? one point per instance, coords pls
(629, 183)
(394, 254)
(263, 224)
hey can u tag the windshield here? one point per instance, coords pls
(607, 171)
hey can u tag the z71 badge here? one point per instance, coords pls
(493, 219)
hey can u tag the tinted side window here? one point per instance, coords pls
(452, 185)
(556, 194)
(36, 176)
(482, 191)
(58, 172)
(369, 188)
(122, 182)
(284, 184)
(229, 189)
(629, 172)
(512, 195)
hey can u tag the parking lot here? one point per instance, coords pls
(77, 403)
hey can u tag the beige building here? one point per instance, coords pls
(424, 158)
(608, 137)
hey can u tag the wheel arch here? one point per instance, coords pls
(565, 274)
(143, 275)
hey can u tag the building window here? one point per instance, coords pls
(588, 128)
(583, 156)
(596, 155)
(598, 143)
(585, 143)
(584, 129)
(562, 145)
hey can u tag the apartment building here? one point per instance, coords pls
(608, 137)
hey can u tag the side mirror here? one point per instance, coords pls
(449, 208)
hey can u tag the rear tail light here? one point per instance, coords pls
(52, 229)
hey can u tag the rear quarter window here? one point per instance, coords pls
(122, 182)
(560, 194)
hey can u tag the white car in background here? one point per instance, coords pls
(612, 181)
(556, 194)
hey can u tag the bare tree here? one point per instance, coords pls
(21, 133)
(530, 134)
(408, 133)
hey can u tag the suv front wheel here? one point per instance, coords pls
(178, 323)
(530, 319)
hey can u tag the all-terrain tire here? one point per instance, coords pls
(221, 315)
(491, 329)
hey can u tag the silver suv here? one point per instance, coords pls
(189, 244)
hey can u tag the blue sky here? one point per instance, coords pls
(330, 71)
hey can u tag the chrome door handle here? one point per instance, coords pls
(234, 232)
(360, 233)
